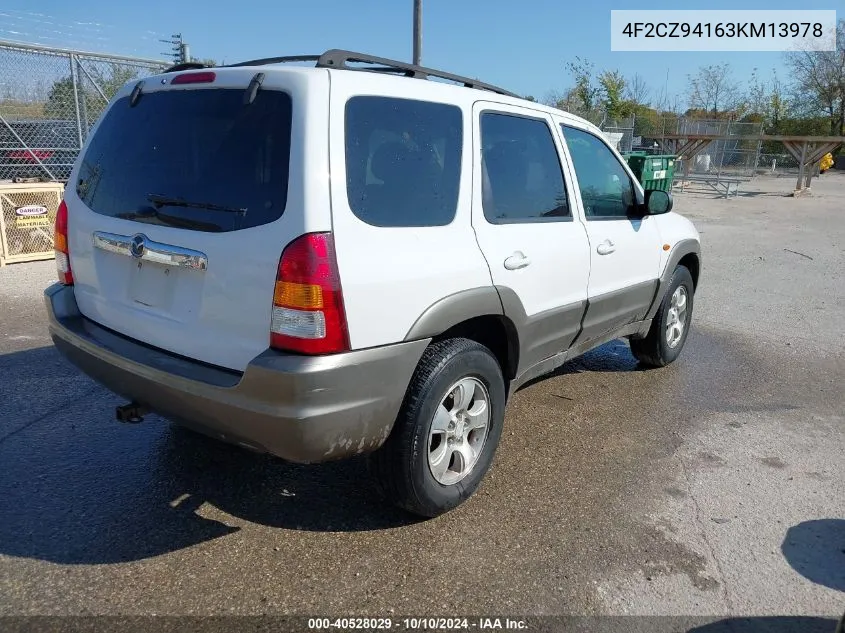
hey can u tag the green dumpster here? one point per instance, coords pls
(653, 172)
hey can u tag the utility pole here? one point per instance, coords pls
(417, 32)
(179, 51)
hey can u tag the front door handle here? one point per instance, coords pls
(605, 248)
(516, 261)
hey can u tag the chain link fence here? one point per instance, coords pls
(49, 100)
(620, 133)
(732, 158)
(779, 164)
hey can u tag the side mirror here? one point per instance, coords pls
(658, 202)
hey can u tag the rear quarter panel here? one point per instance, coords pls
(390, 276)
(221, 316)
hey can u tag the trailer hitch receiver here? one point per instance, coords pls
(132, 413)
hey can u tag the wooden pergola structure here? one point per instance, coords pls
(807, 150)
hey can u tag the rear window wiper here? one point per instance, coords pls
(159, 201)
(151, 216)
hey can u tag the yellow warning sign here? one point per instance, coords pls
(32, 221)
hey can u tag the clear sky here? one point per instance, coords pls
(520, 45)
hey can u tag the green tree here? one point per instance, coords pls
(819, 82)
(585, 93)
(778, 107)
(109, 80)
(757, 96)
(637, 90)
(60, 100)
(612, 90)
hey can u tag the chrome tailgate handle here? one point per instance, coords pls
(142, 248)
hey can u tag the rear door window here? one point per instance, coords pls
(403, 161)
(522, 180)
(194, 159)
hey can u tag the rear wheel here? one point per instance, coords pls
(670, 327)
(447, 431)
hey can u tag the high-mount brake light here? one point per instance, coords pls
(194, 78)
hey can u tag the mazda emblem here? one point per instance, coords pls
(138, 246)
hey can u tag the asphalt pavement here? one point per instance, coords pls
(715, 486)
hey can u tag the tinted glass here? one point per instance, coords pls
(521, 177)
(196, 159)
(606, 189)
(403, 161)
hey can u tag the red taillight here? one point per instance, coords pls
(308, 314)
(61, 248)
(29, 155)
(194, 78)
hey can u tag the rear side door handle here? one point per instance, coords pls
(605, 248)
(516, 261)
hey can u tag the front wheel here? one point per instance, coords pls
(447, 431)
(670, 326)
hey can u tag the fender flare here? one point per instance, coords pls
(679, 251)
(456, 308)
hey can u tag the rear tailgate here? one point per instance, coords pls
(182, 203)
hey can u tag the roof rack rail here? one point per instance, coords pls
(276, 60)
(337, 58)
(186, 66)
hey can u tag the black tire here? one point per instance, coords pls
(400, 467)
(653, 350)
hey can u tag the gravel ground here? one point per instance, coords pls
(712, 487)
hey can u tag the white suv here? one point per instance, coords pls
(325, 261)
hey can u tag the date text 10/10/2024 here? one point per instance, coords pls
(417, 624)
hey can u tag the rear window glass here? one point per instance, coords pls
(194, 159)
(403, 161)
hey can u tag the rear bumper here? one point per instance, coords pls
(301, 408)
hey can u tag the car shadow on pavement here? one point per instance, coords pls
(611, 357)
(330, 497)
(614, 356)
(816, 550)
(93, 515)
(76, 487)
(773, 624)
